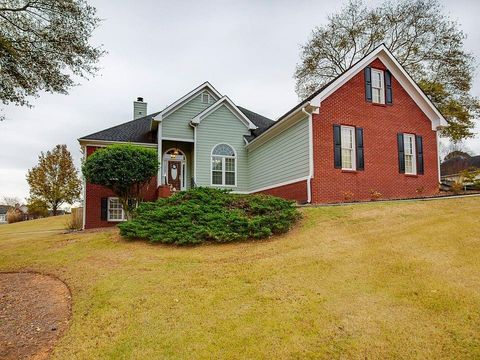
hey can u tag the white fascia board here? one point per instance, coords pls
(400, 75)
(231, 106)
(92, 142)
(184, 99)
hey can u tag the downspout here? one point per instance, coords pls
(159, 155)
(194, 126)
(310, 155)
(84, 210)
(438, 156)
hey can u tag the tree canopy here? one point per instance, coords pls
(125, 169)
(54, 180)
(43, 44)
(423, 39)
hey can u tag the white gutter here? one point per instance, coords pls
(310, 155)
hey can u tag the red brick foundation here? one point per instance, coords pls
(296, 191)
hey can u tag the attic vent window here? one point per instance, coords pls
(205, 98)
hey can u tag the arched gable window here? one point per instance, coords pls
(224, 165)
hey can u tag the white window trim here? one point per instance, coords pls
(354, 148)
(108, 211)
(382, 85)
(223, 166)
(3, 217)
(208, 97)
(414, 153)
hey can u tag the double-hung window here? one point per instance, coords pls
(410, 151)
(348, 148)
(223, 165)
(115, 210)
(378, 86)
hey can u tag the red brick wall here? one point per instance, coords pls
(380, 123)
(296, 191)
(95, 193)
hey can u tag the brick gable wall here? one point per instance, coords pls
(380, 123)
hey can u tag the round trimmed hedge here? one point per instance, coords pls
(205, 214)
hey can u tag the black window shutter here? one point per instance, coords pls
(388, 87)
(359, 150)
(103, 211)
(419, 146)
(368, 83)
(337, 146)
(401, 153)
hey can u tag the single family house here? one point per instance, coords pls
(369, 132)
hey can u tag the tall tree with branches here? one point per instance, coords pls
(44, 44)
(422, 38)
(55, 180)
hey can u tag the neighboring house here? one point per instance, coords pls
(369, 131)
(451, 168)
(3, 213)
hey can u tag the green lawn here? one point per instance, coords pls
(378, 280)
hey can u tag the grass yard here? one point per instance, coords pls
(378, 280)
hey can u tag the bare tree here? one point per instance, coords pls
(10, 201)
(423, 39)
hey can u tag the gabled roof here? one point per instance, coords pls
(315, 99)
(261, 122)
(186, 98)
(138, 130)
(231, 106)
(381, 52)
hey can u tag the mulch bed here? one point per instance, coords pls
(35, 311)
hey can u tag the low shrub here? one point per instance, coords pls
(457, 187)
(204, 214)
(14, 215)
(375, 195)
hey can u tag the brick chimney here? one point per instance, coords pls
(139, 108)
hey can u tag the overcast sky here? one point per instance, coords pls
(162, 49)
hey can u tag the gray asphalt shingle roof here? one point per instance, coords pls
(455, 165)
(139, 130)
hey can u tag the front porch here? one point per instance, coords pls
(176, 164)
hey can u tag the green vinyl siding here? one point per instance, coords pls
(221, 127)
(176, 125)
(281, 159)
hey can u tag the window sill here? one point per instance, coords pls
(347, 171)
(379, 104)
(411, 175)
(110, 220)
